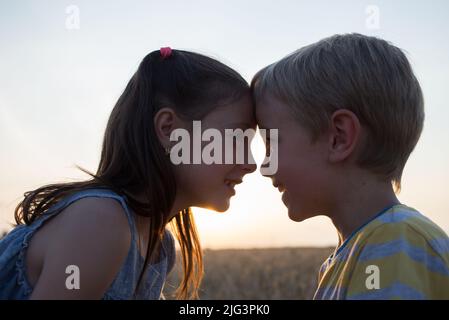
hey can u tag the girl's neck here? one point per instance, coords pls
(180, 203)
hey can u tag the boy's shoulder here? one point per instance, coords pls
(403, 227)
(408, 250)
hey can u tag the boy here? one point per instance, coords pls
(349, 111)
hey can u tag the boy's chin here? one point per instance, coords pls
(298, 216)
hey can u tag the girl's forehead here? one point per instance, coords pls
(237, 114)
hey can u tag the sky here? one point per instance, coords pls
(63, 64)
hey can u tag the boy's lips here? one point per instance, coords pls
(284, 199)
(280, 187)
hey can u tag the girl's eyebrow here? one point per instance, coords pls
(262, 127)
(240, 124)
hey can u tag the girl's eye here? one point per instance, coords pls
(267, 148)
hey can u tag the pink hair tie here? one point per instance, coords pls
(166, 52)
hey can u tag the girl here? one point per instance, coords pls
(106, 237)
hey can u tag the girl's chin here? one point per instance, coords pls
(222, 207)
(219, 206)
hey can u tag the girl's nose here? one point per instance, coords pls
(266, 173)
(249, 167)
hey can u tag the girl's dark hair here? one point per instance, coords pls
(132, 159)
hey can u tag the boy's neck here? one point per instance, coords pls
(359, 205)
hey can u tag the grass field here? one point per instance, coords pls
(284, 273)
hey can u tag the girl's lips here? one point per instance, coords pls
(230, 187)
(232, 191)
(230, 184)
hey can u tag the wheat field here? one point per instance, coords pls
(281, 273)
(276, 273)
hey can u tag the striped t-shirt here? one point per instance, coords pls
(400, 254)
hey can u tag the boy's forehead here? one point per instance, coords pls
(269, 113)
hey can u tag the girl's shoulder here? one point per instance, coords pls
(92, 233)
(92, 214)
(99, 212)
(86, 214)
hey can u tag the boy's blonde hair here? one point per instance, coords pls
(366, 75)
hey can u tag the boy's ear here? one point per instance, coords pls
(165, 121)
(344, 134)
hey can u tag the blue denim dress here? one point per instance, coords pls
(13, 275)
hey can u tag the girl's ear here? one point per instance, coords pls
(165, 121)
(344, 134)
